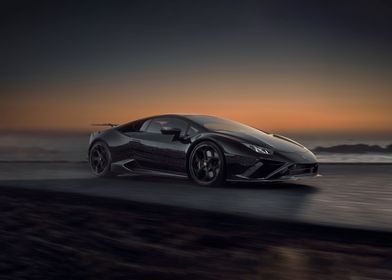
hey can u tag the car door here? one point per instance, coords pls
(157, 151)
(129, 142)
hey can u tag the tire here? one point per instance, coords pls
(206, 164)
(100, 159)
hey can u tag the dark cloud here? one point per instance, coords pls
(70, 40)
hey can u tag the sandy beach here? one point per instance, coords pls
(347, 195)
(55, 235)
(59, 222)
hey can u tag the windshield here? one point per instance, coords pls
(219, 124)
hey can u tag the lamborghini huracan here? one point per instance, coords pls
(207, 149)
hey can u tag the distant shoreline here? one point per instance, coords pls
(354, 149)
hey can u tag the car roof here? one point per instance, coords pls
(178, 115)
(183, 115)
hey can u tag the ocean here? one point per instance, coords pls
(72, 146)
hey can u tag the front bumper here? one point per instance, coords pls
(281, 179)
(275, 171)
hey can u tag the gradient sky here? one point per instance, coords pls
(301, 66)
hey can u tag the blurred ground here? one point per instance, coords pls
(54, 235)
(348, 195)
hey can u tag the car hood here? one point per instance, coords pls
(277, 142)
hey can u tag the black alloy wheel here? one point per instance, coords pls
(100, 159)
(206, 164)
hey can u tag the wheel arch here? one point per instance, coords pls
(93, 143)
(194, 144)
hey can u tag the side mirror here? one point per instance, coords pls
(176, 132)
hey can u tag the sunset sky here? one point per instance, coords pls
(302, 66)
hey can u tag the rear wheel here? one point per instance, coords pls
(206, 164)
(100, 160)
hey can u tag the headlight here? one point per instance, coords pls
(258, 149)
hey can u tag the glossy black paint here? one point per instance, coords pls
(134, 150)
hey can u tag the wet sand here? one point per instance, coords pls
(56, 235)
(348, 195)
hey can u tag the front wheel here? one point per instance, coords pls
(100, 160)
(206, 164)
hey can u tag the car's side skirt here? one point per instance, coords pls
(123, 167)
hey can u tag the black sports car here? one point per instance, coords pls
(208, 149)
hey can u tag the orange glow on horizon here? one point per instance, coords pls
(296, 107)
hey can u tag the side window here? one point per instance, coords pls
(192, 131)
(144, 125)
(133, 126)
(157, 124)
